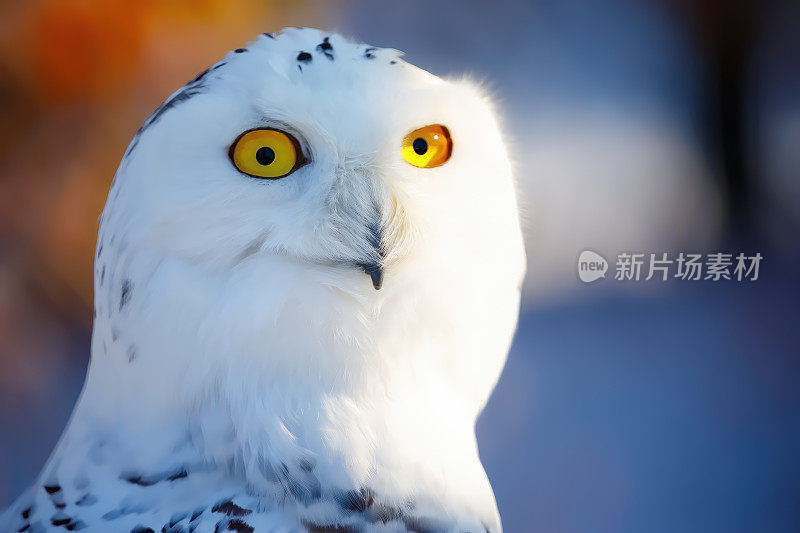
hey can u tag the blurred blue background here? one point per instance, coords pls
(646, 126)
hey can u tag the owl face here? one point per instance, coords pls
(339, 158)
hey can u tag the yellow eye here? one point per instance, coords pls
(427, 147)
(266, 153)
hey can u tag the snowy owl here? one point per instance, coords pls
(307, 279)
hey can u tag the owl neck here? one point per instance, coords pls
(345, 405)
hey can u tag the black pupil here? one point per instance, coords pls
(265, 155)
(420, 145)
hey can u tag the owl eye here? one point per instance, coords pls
(427, 147)
(266, 153)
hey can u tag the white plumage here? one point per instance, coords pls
(245, 374)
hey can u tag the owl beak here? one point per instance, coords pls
(375, 268)
(375, 272)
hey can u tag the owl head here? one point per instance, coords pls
(341, 159)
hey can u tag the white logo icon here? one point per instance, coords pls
(591, 266)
